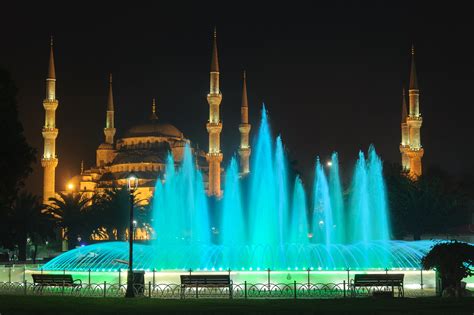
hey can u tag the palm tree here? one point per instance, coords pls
(114, 206)
(28, 220)
(72, 213)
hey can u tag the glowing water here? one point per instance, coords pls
(282, 194)
(322, 211)
(268, 227)
(337, 202)
(181, 216)
(299, 221)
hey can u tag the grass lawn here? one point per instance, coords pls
(73, 305)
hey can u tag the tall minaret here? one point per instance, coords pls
(105, 152)
(414, 121)
(109, 129)
(404, 145)
(214, 126)
(49, 161)
(244, 128)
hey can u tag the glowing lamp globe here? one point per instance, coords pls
(132, 183)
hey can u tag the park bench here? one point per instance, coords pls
(55, 280)
(380, 280)
(205, 281)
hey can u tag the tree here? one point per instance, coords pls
(453, 260)
(430, 204)
(17, 155)
(28, 221)
(114, 209)
(72, 213)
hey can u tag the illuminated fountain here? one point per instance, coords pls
(270, 228)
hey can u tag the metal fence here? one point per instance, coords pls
(235, 291)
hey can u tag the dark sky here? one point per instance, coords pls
(331, 76)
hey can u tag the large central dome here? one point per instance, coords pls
(154, 129)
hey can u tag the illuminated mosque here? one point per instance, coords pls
(143, 149)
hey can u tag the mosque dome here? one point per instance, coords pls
(154, 129)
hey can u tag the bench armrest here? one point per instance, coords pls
(77, 282)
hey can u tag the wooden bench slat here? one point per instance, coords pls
(55, 280)
(206, 280)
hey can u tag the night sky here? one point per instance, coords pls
(330, 76)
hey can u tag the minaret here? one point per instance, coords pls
(106, 152)
(49, 161)
(109, 129)
(214, 126)
(404, 145)
(153, 115)
(244, 128)
(414, 121)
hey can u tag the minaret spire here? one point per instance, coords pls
(110, 98)
(404, 106)
(153, 110)
(49, 161)
(109, 129)
(413, 79)
(106, 152)
(214, 88)
(414, 122)
(404, 145)
(214, 125)
(244, 128)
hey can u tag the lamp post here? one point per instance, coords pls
(132, 183)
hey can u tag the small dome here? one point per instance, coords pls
(154, 129)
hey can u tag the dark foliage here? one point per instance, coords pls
(453, 260)
(16, 155)
(431, 204)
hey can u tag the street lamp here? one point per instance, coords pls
(132, 183)
(70, 187)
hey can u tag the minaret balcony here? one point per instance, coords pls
(50, 133)
(416, 149)
(214, 156)
(244, 128)
(49, 161)
(414, 118)
(214, 127)
(50, 104)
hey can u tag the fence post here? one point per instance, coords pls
(10, 273)
(344, 287)
(153, 277)
(268, 280)
(245, 289)
(197, 289)
(24, 273)
(64, 271)
(41, 270)
(120, 277)
(294, 288)
(421, 278)
(149, 289)
(105, 288)
(25, 284)
(64, 285)
(348, 277)
(309, 278)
